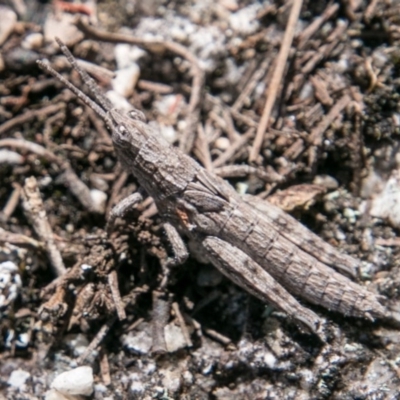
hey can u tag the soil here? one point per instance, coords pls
(72, 293)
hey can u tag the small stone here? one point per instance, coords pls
(18, 378)
(326, 181)
(340, 235)
(139, 342)
(125, 54)
(222, 143)
(53, 394)
(171, 379)
(63, 27)
(174, 338)
(168, 132)
(119, 101)
(386, 204)
(244, 22)
(8, 20)
(10, 157)
(125, 80)
(78, 381)
(99, 199)
(34, 41)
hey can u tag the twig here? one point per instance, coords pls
(251, 85)
(202, 150)
(371, 10)
(34, 209)
(11, 204)
(218, 336)
(316, 135)
(228, 154)
(276, 78)
(116, 188)
(113, 283)
(182, 324)
(155, 87)
(159, 320)
(235, 171)
(316, 24)
(105, 368)
(18, 239)
(69, 177)
(22, 144)
(28, 116)
(101, 334)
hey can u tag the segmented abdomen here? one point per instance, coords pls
(299, 272)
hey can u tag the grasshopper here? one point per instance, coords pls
(263, 250)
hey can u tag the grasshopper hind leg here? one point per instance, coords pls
(246, 273)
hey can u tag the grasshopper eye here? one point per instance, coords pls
(122, 130)
(136, 115)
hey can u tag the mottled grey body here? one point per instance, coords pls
(261, 248)
(202, 206)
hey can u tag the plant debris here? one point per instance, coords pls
(299, 107)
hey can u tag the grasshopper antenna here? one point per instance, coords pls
(87, 80)
(82, 96)
(94, 89)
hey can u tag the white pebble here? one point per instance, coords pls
(56, 395)
(8, 21)
(125, 54)
(99, 199)
(22, 340)
(78, 381)
(171, 380)
(168, 132)
(33, 41)
(119, 101)
(386, 204)
(222, 143)
(10, 282)
(10, 157)
(174, 338)
(125, 80)
(244, 21)
(340, 235)
(139, 342)
(242, 187)
(18, 378)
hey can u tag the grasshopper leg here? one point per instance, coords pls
(120, 210)
(246, 273)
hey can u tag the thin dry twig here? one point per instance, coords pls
(34, 209)
(119, 306)
(68, 177)
(11, 204)
(370, 10)
(276, 79)
(218, 336)
(29, 115)
(105, 367)
(235, 171)
(307, 33)
(233, 148)
(18, 239)
(101, 334)
(159, 320)
(182, 324)
(316, 135)
(202, 150)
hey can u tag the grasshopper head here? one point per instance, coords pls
(128, 133)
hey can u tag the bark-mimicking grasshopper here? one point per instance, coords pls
(266, 252)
